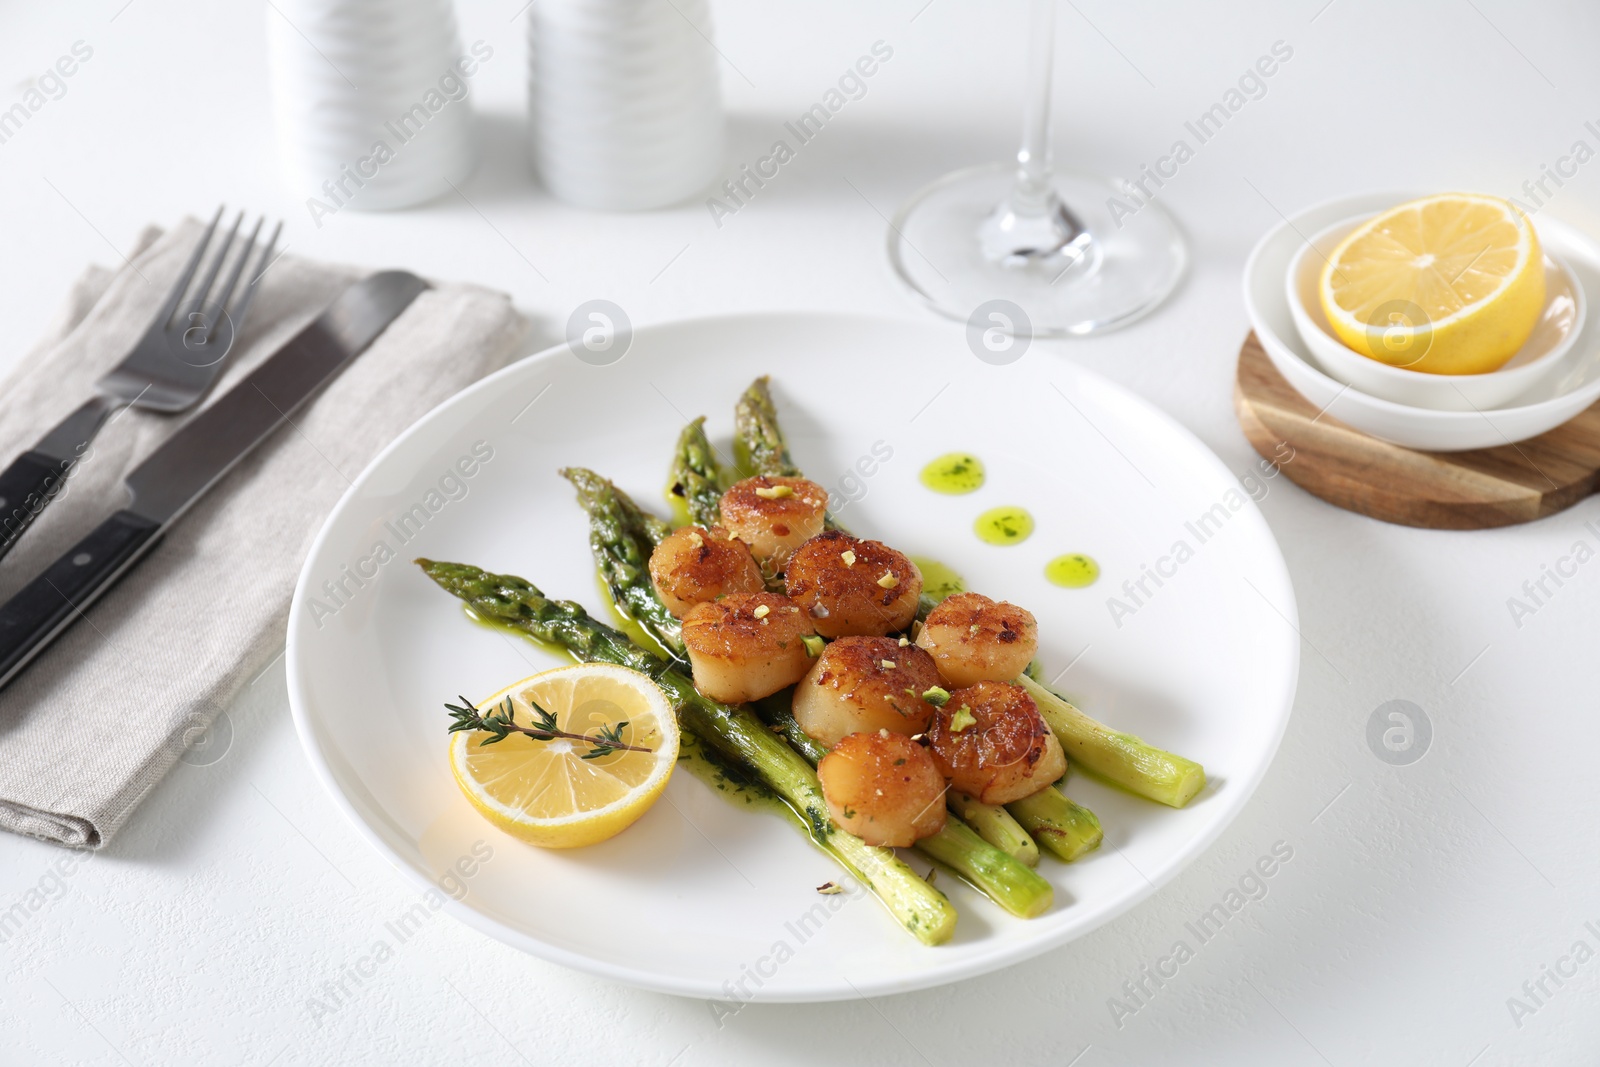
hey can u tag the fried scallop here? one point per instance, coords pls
(853, 587)
(884, 788)
(774, 516)
(747, 645)
(864, 684)
(975, 639)
(991, 743)
(694, 565)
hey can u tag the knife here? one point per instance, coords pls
(195, 458)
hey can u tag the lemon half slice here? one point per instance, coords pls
(1449, 284)
(546, 792)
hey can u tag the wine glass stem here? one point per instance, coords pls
(1031, 195)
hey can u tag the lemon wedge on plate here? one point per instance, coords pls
(546, 791)
(1449, 284)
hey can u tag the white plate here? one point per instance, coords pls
(1544, 407)
(698, 896)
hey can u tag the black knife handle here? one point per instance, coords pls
(50, 603)
(35, 477)
(31, 482)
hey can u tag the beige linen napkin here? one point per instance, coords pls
(96, 721)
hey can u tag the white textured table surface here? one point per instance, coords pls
(221, 925)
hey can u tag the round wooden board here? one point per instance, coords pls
(1439, 490)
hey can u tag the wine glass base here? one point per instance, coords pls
(1131, 261)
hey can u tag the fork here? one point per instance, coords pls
(169, 370)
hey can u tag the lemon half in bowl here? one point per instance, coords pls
(1447, 284)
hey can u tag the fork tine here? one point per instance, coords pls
(175, 296)
(262, 263)
(232, 280)
(197, 304)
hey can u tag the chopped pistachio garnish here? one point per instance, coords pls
(962, 719)
(849, 557)
(904, 642)
(775, 492)
(974, 628)
(830, 888)
(762, 611)
(936, 696)
(696, 540)
(888, 581)
(814, 645)
(887, 664)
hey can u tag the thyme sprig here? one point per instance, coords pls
(499, 725)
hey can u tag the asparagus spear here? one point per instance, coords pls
(694, 486)
(997, 826)
(734, 732)
(1123, 758)
(758, 444)
(999, 875)
(1061, 827)
(759, 447)
(621, 537)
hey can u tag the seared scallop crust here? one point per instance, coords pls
(774, 516)
(747, 645)
(853, 587)
(884, 788)
(694, 565)
(865, 684)
(991, 743)
(975, 639)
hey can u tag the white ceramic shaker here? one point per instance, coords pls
(625, 108)
(372, 100)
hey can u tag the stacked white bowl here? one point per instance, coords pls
(624, 102)
(371, 99)
(1551, 399)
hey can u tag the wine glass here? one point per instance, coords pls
(1072, 254)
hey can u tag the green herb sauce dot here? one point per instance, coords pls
(1073, 571)
(1008, 525)
(954, 473)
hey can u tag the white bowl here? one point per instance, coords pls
(1544, 407)
(1553, 336)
